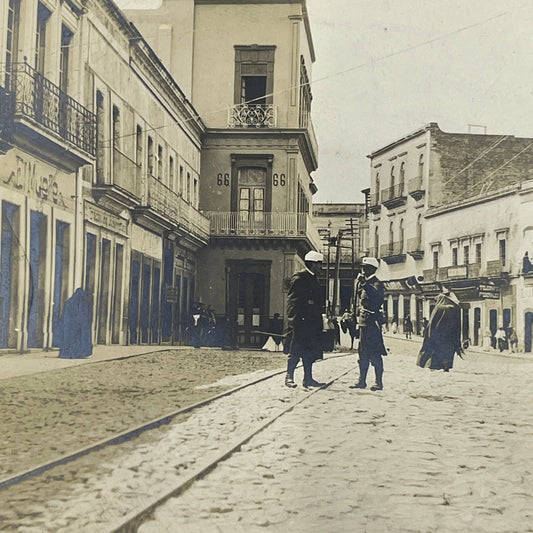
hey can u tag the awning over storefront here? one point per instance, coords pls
(408, 284)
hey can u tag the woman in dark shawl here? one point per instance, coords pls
(442, 337)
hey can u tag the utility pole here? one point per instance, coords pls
(337, 271)
(352, 234)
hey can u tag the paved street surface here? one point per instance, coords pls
(433, 452)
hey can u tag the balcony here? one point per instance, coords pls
(393, 196)
(375, 206)
(39, 114)
(264, 225)
(435, 274)
(393, 252)
(125, 188)
(416, 188)
(162, 209)
(252, 116)
(457, 272)
(497, 269)
(415, 248)
(453, 273)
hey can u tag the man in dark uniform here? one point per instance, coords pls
(305, 305)
(369, 293)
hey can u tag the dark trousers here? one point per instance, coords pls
(292, 363)
(364, 363)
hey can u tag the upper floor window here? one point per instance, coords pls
(305, 95)
(101, 119)
(454, 257)
(466, 255)
(303, 202)
(402, 173)
(188, 186)
(478, 252)
(13, 16)
(421, 166)
(391, 233)
(195, 193)
(435, 259)
(116, 128)
(171, 177)
(139, 146)
(180, 184)
(150, 156)
(159, 162)
(254, 75)
(43, 14)
(402, 235)
(376, 240)
(502, 244)
(419, 230)
(392, 177)
(377, 185)
(66, 37)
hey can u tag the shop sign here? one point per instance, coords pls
(171, 294)
(99, 217)
(489, 292)
(36, 179)
(430, 287)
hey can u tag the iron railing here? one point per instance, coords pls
(32, 96)
(252, 116)
(391, 193)
(161, 198)
(392, 248)
(415, 184)
(126, 173)
(263, 224)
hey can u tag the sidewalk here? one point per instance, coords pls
(16, 364)
(471, 349)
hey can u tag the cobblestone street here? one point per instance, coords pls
(433, 452)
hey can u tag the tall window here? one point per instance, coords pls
(421, 166)
(115, 134)
(305, 95)
(159, 162)
(150, 156)
(502, 250)
(419, 232)
(254, 74)
(188, 186)
(66, 37)
(100, 151)
(13, 16)
(139, 146)
(402, 176)
(303, 202)
(466, 255)
(171, 176)
(478, 252)
(376, 240)
(391, 235)
(181, 181)
(195, 193)
(402, 236)
(252, 188)
(376, 194)
(43, 14)
(454, 256)
(435, 259)
(392, 180)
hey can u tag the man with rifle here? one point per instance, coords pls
(368, 301)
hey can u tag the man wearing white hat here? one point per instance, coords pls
(305, 305)
(369, 292)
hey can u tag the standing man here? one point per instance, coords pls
(305, 305)
(371, 348)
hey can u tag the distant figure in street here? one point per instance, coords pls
(305, 305)
(369, 294)
(442, 338)
(526, 264)
(513, 339)
(425, 323)
(407, 327)
(348, 325)
(394, 325)
(74, 327)
(487, 340)
(501, 339)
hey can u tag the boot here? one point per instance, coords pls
(363, 370)
(379, 380)
(289, 381)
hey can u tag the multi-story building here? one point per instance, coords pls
(251, 86)
(100, 177)
(46, 137)
(339, 226)
(449, 209)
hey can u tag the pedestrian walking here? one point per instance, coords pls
(501, 339)
(369, 294)
(394, 325)
(513, 339)
(442, 338)
(348, 325)
(305, 305)
(408, 327)
(425, 323)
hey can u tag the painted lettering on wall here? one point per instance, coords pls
(37, 180)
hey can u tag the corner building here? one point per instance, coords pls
(450, 209)
(248, 66)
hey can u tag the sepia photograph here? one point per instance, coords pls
(265, 266)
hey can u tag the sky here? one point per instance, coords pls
(384, 68)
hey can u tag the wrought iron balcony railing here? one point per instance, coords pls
(34, 97)
(263, 224)
(375, 207)
(393, 252)
(161, 199)
(126, 173)
(393, 196)
(416, 187)
(496, 268)
(415, 248)
(252, 116)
